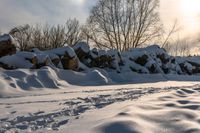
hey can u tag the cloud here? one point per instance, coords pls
(17, 12)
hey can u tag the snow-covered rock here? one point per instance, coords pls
(151, 59)
(82, 50)
(14, 61)
(7, 45)
(68, 51)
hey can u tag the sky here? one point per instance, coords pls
(186, 12)
(17, 12)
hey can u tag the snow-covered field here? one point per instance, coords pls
(53, 100)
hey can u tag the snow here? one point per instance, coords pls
(134, 54)
(26, 55)
(99, 100)
(130, 65)
(165, 112)
(151, 59)
(55, 100)
(6, 37)
(62, 51)
(42, 58)
(16, 61)
(94, 53)
(19, 60)
(83, 46)
(102, 53)
(188, 66)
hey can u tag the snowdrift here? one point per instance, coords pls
(19, 81)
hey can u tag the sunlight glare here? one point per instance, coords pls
(80, 1)
(190, 7)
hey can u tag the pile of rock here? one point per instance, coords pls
(151, 59)
(64, 58)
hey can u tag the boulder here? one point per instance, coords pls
(104, 59)
(70, 63)
(196, 66)
(116, 60)
(7, 45)
(43, 60)
(29, 56)
(6, 66)
(164, 58)
(142, 60)
(153, 66)
(82, 50)
(93, 56)
(15, 61)
(138, 55)
(54, 59)
(187, 68)
(137, 67)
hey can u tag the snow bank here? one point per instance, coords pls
(22, 80)
(48, 78)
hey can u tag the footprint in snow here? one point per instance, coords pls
(13, 112)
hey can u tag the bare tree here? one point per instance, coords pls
(23, 35)
(57, 36)
(123, 24)
(175, 28)
(180, 47)
(73, 31)
(37, 37)
(47, 37)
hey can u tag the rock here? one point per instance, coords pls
(187, 68)
(7, 45)
(163, 58)
(43, 60)
(154, 66)
(16, 61)
(54, 59)
(93, 55)
(196, 66)
(104, 59)
(137, 67)
(29, 56)
(6, 66)
(142, 60)
(71, 63)
(116, 60)
(82, 50)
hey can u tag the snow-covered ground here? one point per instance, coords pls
(53, 100)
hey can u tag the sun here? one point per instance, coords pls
(190, 7)
(80, 1)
